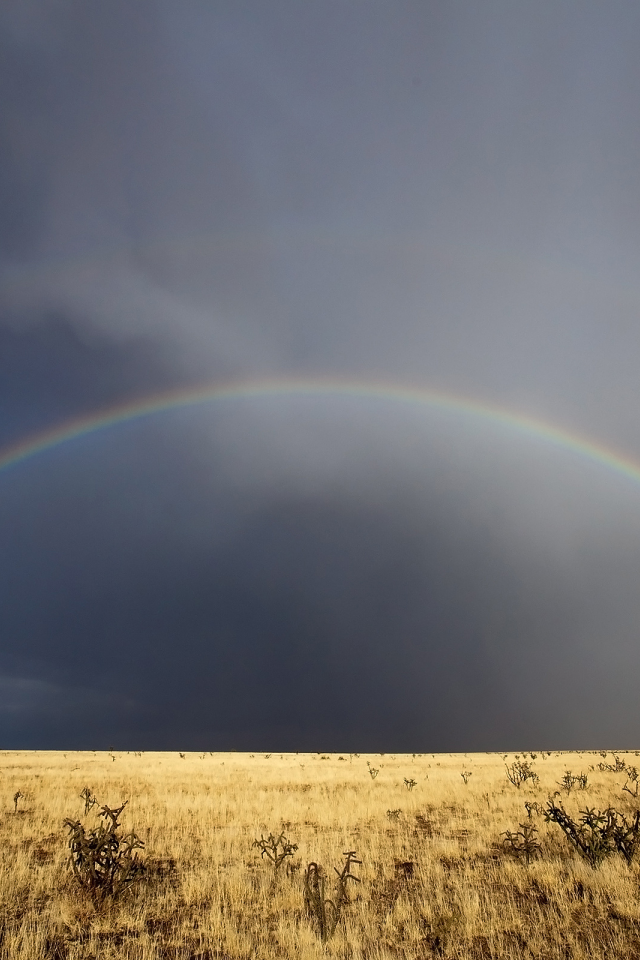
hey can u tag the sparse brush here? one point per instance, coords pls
(327, 912)
(277, 849)
(465, 774)
(103, 863)
(522, 843)
(569, 781)
(533, 807)
(17, 796)
(598, 833)
(394, 814)
(410, 784)
(519, 772)
(89, 799)
(632, 775)
(373, 771)
(627, 835)
(616, 767)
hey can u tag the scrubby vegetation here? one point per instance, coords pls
(442, 868)
(104, 863)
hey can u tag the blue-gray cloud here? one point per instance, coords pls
(426, 194)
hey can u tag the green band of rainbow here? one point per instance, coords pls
(278, 387)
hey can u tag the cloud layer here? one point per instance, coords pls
(427, 195)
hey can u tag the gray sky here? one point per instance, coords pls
(435, 195)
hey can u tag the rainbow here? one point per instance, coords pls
(257, 389)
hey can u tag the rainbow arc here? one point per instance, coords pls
(257, 389)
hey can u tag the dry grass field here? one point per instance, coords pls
(208, 894)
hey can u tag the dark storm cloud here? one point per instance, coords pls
(434, 194)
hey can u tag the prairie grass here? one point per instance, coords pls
(435, 881)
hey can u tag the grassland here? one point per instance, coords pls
(207, 893)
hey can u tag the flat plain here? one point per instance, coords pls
(435, 879)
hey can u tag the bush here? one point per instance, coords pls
(103, 863)
(276, 848)
(597, 834)
(327, 912)
(617, 767)
(519, 772)
(523, 843)
(570, 780)
(632, 775)
(89, 799)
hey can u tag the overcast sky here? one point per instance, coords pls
(438, 195)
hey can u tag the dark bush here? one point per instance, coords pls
(104, 863)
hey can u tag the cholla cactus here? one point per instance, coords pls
(519, 772)
(523, 843)
(277, 849)
(89, 800)
(632, 775)
(103, 863)
(327, 912)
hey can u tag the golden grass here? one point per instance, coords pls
(209, 895)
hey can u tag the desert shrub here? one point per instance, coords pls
(519, 772)
(465, 774)
(18, 795)
(277, 849)
(627, 835)
(104, 863)
(597, 834)
(89, 799)
(570, 780)
(632, 776)
(522, 844)
(616, 767)
(410, 784)
(373, 771)
(326, 912)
